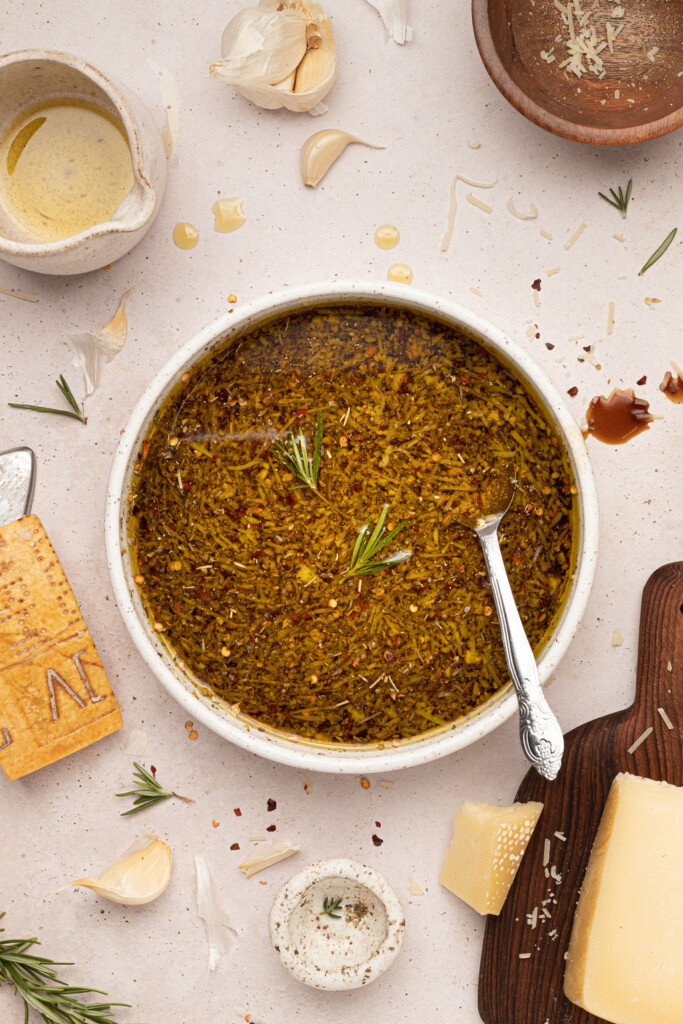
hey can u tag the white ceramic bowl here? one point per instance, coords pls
(208, 709)
(347, 947)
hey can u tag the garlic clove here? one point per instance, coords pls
(261, 47)
(253, 36)
(318, 68)
(320, 151)
(267, 855)
(229, 215)
(139, 875)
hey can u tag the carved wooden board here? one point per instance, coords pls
(54, 694)
(513, 990)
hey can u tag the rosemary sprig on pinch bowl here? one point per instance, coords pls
(294, 455)
(34, 978)
(331, 908)
(75, 412)
(364, 560)
(148, 791)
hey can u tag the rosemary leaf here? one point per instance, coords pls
(619, 200)
(76, 413)
(658, 252)
(147, 792)
(294, 455)
(330, 907)
(364, 561)
(35, 980)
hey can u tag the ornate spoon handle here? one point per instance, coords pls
(539, 730)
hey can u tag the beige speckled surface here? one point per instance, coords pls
(63, 822)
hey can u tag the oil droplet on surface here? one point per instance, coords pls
(387, 236)
(400, 272)
(672, 385)
(64, 167)
(229, 215)
(618, 418)
(185, 235)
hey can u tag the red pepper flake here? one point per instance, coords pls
(215, 823)
(271, 828)
(300, 413)
(235, 846)
(376, 840)
(378, 824)
(153, 771)
(238, 812)
(365, 783)
(536, 285)
(643, 380)
(549, 346)
(262, 882)
(272, 804)
(187, 485)
(572, 392)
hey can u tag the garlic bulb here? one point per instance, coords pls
(139, 875)
(319, 152)
(280, 54)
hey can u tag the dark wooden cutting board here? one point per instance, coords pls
(529, 990)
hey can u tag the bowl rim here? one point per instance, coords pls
(300, 753)
(533, 111)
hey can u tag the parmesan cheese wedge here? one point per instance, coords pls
(488, 844)
(624, 962)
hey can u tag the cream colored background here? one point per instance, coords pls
(63, 822)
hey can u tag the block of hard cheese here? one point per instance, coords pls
(488, 844)
(54, 693)
(625, 961)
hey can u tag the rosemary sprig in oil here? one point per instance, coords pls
(330, 907)
(148, 792)
(75, 412)
(34, 978)
(294, 455)
(658, 252)
(620, 199)
(364, 560)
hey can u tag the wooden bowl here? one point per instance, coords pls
(639, 97)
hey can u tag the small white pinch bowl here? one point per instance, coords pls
(204, 706)
(345, 951)
(27, 79)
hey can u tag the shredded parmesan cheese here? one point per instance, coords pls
(475, 291)
(546, 852)
(537, 300)
(547, 234)
(619, 237)
(651, 54)
(446, 240)
(561, 836)
(641, 739)
(552, 271)
(524, 956)
(665, 718)
(577, 234)
(474, 144)
(610, 317)
(478, 203)
(19, 295)
(531, 215)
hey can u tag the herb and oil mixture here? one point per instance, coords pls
(296, 522)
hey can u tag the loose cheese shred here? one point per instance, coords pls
(537, 301)
(474, 144)
(610, 317)
(561, 836)
(531, 215)
(619, 237)
(19, 295)
(577, 234)
(641, 739)
(478, 203)
(553, 270)
(665, 718)
(546, 852)
(524, 956)
(651, 54)
(547, 234)
(446, 240)
(475, 291)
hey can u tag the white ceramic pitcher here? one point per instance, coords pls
(27, 79)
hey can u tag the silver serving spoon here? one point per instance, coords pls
(539, 730)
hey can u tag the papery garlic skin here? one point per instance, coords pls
(140, 875)
(267, 55)
(321, 149)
